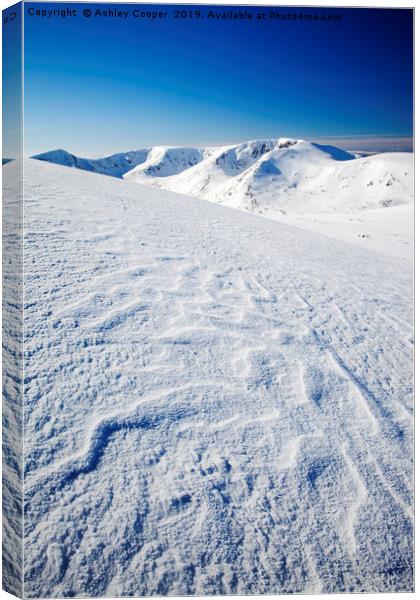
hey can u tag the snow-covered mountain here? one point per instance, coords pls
(291, 177)
(115, 165)
(215, 403)
(165, 162)
(272, 177)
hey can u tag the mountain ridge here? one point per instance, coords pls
(276, 176)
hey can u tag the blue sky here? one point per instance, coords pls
(100, 85)
(12, 82)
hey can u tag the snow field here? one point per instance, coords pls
(215, 402)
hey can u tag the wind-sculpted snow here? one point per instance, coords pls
(215, 402)
(12, 398)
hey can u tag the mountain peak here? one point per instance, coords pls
(264, 175)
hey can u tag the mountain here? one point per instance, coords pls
(165, 161)
(115, 165)
(217, 403)
(158, 161)
(290, 177)
(272, 177)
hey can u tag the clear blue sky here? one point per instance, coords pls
(99, 85)
(12, 82)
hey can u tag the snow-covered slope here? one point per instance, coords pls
(275, 177)
(159, 161)
(215, 402)
(387, 230)
(164, 161)
(115, 165)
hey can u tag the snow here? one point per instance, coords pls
(164, 161)
(215, 402)
(12, 543)
(290, 177)
(365, 200)
(115, 165)
(385, 230)
(308, 183)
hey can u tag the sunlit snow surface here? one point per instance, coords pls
(215, 402)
